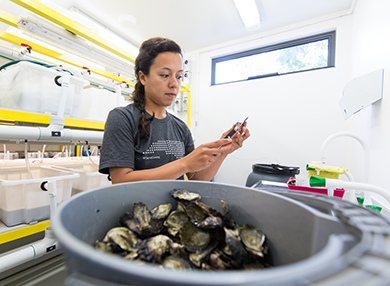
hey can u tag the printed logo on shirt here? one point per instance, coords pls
(175, 148)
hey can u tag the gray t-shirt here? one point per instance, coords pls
(170, 139)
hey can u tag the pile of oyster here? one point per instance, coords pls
(191, 236)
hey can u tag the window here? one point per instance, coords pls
(309, 53)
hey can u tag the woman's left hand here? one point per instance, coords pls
(237, 140)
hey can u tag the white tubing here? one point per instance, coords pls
(331, 183)
(43, 153)
(27, 161)
(29, 252)
(92, 162)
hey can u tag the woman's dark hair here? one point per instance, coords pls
(148, 51)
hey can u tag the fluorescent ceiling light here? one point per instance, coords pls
(57, 38)
(248, 13)
(102, 30)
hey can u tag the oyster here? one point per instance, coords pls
(217, 263)
(155, 227)
(152, 249)
(193, 238)
(176, 262)
(220, 261)
(132, 255)
(109, 247)
(227, 214)
(161, 211)
(175, 221)
(141, 214)
(236, 247)
(127, 220)
(123, 237)
(178, 249)
(185, 196)
(211, 222)
(253, 239)
(195, 213)
(198, 258)
(209, 211)
(180, 207)
(206, 266)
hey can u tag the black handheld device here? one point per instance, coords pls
(236, 128)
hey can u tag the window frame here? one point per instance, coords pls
(330, 36)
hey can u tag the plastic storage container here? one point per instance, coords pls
(307, 245)
(89, 178)
(23, 201)
(32, 87)
(97, 103)
(270, 172)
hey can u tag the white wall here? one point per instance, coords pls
(290, 116)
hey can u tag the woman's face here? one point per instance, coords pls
(162, 84)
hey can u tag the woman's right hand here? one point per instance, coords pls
(205, 155)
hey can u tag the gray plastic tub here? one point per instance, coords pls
(307, 245)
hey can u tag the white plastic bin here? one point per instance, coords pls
(89, 178)
(97, 103)
(22, 200)
(31, 87)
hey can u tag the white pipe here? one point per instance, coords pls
(367, 195)
(27, 161)
(49, 134)
(5, 51)
(346, 134)
(29, 252)
(349, 176)
(354, 136)
(352, 197)
(332, 183)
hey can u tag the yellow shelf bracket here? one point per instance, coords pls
(23, 232)
(8, 18)
(20, 116)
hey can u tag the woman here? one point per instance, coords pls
(142, 141)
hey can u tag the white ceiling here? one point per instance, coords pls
(194, 24)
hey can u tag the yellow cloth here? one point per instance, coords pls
(324, 171)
